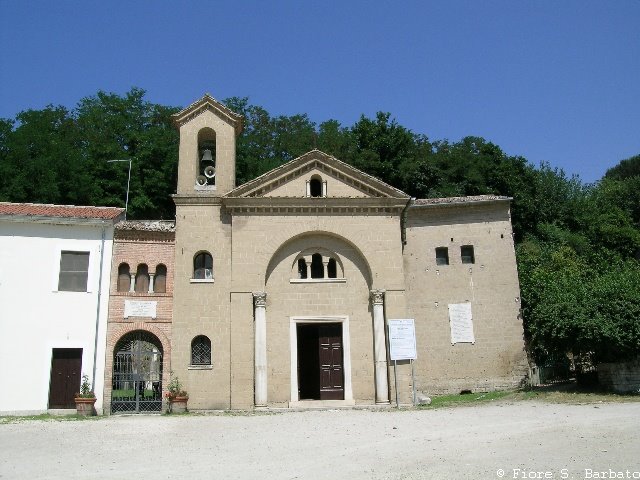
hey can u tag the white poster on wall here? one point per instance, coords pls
(136, 308)
(461, 323)
(402, 339)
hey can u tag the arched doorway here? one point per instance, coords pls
(137, 374)
(318, 284)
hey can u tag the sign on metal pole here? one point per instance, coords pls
(402, 339)
(402, 346)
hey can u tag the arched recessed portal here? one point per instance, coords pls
(137, 373)
(315, 282)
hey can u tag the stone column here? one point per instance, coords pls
(151, 277)
(307, 261)
(325, 266)
(379, 346)
(260, 348)
(132, 285)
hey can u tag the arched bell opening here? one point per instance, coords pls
(206, 173)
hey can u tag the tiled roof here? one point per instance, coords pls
(59, 211)
(453, 200)
(147, 225)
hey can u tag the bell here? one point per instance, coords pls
(206, 156)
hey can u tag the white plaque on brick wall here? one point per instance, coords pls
(137, 308)
(461, 323)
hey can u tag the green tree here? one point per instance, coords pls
(128, 127)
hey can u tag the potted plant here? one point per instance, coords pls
(85, 399)
(176, 396)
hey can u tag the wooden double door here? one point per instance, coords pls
(320, 362)
(66, 370)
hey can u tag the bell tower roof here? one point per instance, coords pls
(208, 103)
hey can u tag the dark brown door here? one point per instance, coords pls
(331, 372)
(66, 365)
(320, 372)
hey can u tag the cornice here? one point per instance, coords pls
(202, 199)
(314, 205)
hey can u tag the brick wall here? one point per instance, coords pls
(136, 247)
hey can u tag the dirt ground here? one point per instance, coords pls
(525, 439)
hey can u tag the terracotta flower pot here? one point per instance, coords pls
(85, 406)
(178, 404)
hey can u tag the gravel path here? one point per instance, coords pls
(560, 441)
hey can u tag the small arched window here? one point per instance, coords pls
(142, 279)
(201, 350)
(317, 264)
(160, 281)
(203, 266)
(332, 269)
(317, 268)
(315, 187)
(302, 268)
(124, 278)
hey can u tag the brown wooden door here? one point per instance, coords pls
(66, 367)
(331, 371)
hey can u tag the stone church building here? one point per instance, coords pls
(283, 289)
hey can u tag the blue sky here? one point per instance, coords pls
(555, 81)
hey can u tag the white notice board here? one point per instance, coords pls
(402, 339)
(461, 323)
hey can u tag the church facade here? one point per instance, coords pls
(284, 287)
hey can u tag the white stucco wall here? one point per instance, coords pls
(35, 317)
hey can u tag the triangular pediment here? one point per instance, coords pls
(208, 103)
(342, 180)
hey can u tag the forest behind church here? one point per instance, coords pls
(577, 244)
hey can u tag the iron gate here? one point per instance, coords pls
(137, 374)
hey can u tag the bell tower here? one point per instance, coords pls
(207, 154)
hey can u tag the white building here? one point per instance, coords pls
(55, 265)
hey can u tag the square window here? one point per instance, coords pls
(442, 256)
(74, 271)
(466, 253)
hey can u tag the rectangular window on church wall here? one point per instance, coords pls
(466, 253)
(442, 256)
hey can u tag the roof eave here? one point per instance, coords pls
(461, 203)
(52, 220)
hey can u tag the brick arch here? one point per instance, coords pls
(122, 330)
(113, 339)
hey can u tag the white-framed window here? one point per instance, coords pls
(316, 187)
(202, 267)
(73, 274)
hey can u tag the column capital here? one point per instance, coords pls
(260, 299)
(377, 297)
